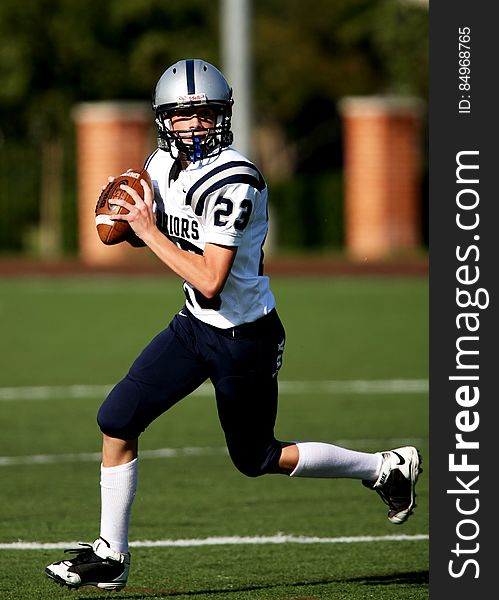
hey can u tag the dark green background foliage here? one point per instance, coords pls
(55, 54)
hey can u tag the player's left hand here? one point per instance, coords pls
(141, 214)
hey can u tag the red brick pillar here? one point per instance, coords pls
(382, 166)
(111, 138)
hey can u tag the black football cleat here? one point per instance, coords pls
(396, 483)
(94, 564)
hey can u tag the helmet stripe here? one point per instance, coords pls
(189, 72)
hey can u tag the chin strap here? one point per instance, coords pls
(197, 150)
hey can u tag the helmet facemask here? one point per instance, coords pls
(195, 144)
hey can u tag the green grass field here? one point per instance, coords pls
(354, 373)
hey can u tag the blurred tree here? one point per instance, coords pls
(56, 53)
(307, 56)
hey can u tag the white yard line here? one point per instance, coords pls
(280, 538)
(373, 386)
(56, 459)
(390, 386)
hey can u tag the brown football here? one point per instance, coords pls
(115, 232)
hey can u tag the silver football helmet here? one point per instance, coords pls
(186, 84)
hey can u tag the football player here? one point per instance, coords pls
(206, 219)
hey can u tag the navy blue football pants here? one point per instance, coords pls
(241, 362)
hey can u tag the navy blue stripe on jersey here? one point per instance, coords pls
(224, 167)
(237, 178)
(257, 179)
(185, 245)
(189, 73)
(150, 157)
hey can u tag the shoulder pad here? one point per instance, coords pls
(229, 173)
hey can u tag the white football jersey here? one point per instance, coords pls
(218, 200)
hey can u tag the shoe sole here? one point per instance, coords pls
(414, 471)
(104, 586)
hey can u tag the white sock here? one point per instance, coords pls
(118, 487)
(326, 460)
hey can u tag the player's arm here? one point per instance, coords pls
(207, 272)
